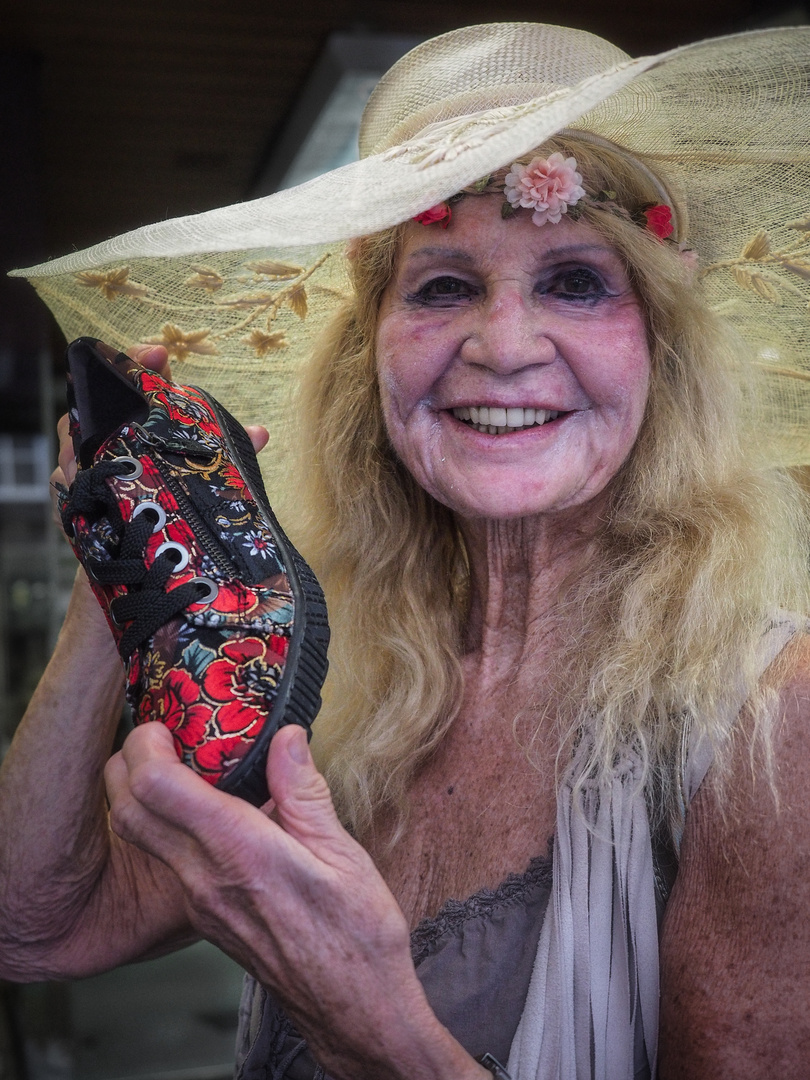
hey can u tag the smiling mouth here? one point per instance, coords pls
(494, 420)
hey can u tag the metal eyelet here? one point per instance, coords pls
(180, 553)
(157, 511)
(211, 590)
(111, 610)
(133, 467)
(89, 567)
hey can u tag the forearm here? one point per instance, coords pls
(54, 838)
(407, 1042)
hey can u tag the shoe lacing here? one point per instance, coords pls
(149, 605)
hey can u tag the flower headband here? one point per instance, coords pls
(552, 187)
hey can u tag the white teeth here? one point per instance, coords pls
(494, 420)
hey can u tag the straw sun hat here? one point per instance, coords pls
(237, 294)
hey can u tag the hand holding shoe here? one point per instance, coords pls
(295, 900)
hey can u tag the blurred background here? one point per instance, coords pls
(114, 115)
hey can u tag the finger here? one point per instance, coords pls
(154, 357)
(258, 436)
(141, 779)
(304, 806)
(164, 786)
(163, 807)
(56, 482)
(67, 459)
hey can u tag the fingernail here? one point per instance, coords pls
(298, 748)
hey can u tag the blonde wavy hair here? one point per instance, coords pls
(701, 542)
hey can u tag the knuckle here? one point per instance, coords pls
(144, 780)
(123, 818)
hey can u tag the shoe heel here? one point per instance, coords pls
(101, 398)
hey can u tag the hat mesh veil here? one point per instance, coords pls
(238, 294)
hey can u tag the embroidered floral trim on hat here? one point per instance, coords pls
(546, 185)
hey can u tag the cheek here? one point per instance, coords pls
(627, 375)
(405, 369)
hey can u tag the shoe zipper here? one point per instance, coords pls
(211, 547)
(201, 532)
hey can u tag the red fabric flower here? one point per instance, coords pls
(241, 681)
(232, 478)
(176, 704)
(659, 220)
(440, 213)
(234, 598)
(221, 679)
(218, 756)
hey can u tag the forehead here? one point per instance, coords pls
(479, 234)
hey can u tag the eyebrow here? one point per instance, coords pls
(462, 256)
(441, 252)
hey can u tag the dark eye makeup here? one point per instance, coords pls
(576, 283)
(444, 288)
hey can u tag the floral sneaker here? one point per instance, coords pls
(219, 621)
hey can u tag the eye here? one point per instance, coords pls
(577, 283)
(442, 289)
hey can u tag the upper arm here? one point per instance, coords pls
(735, 948)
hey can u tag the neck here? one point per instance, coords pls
(518, 568)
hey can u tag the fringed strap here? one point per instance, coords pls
(595, 979)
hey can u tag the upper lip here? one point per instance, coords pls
(503, 405)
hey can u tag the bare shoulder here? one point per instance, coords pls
(735, 949)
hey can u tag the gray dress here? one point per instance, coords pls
(474, 960)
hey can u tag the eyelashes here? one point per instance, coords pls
(580, 284)
(444, 289)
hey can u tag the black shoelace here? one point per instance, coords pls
(148, 604)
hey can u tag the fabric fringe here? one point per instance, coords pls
(595, 979)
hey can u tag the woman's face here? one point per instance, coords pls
(513, 362)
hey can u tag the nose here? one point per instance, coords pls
(509, 333)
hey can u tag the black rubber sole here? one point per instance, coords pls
(298, 697)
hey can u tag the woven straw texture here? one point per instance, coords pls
(237, 294)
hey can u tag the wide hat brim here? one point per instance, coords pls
(238, 293)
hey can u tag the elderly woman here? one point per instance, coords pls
(565, 735)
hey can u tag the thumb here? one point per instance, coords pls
(301, 795)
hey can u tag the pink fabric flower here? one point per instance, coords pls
(441, 213)
(659, 220)
(548, 186)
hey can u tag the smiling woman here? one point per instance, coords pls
(500, 315)
(544, 485)
(595, 319)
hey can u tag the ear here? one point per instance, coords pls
(689, 257)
